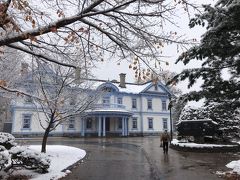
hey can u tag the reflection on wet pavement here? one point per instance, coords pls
(140, 158)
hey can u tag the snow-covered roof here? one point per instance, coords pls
(198, 120)
(131, 88)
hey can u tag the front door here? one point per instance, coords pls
(107, 124)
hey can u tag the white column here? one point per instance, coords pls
(99, 125)
(82, 127)
(127, 132)
(123, 125)
(125, 122)
(104, 126)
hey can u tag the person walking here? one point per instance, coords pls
(164, 141)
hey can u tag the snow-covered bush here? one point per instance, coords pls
(12, 156)
(29, 159)
(7, 140)
(4, 156)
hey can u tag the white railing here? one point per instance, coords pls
(109, 106)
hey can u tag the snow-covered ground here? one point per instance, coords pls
(195, 145)
(234, 165)
(61, 157)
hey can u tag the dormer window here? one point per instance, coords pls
(107, 89)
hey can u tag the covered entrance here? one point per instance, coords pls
(106, 123)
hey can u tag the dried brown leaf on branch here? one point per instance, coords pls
(3, 83)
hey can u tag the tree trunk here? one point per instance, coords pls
(44, 141)
(46, 133)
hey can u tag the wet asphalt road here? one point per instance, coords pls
(140, 158)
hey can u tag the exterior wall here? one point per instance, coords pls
(35, 127)
(157, 123)
(127, 101)
(75, 130)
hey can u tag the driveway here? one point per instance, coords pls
(139, 158)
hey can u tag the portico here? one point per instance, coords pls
(106, 122)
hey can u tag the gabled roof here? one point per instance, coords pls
(131, 88)
(160, 85)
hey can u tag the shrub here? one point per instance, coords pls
(29, 159)
(12, 156)
(7, 140)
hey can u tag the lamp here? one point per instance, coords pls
(170, 110)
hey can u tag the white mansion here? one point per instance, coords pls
(126, 109)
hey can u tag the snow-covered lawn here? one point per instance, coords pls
(61, 157)
(195, 145)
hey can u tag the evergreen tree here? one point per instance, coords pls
(219, 52)
(228, 120)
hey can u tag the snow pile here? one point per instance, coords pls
(61, 157)
(235, 166)
(195, 145)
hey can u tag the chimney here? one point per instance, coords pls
(122, 80)
(24, 69)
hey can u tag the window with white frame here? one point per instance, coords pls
(89, 123)
(134, 103)
(119, 123)
(26, 121)
(150, 123)
(149, 103)
(164, 105)
(71, 122)
(119, 100)
(165, 123)
(106, 100)
(134, 123)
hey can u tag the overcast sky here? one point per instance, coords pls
(110, 71)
